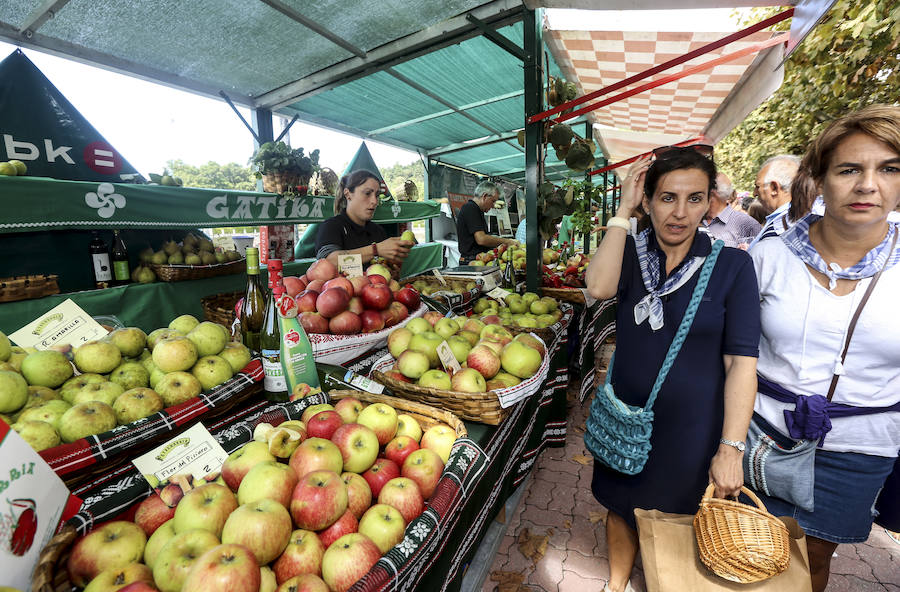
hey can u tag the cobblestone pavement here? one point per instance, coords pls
(559, 503)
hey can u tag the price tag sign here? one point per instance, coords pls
(350, 265)
(448, 360)
(499, 294)
(439, 276)
(186, 461)
(64, 325)
(364, 384)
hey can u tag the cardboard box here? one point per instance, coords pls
(276, 242)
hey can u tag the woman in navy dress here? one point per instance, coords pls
(704, 407)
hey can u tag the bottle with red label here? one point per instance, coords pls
(274, 384)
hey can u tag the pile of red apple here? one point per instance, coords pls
(331, 303)
(310, 505)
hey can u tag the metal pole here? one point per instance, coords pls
(265, 132)
(587, 195)
(534, 48)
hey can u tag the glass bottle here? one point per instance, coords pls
(333, 377)
(274, 384)
(253, 309)
(102, 268)
(121, 274)
(509, 276)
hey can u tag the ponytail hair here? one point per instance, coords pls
(350, 182)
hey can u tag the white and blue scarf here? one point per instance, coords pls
(651, 306)
(797, 240)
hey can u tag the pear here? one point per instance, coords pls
(170, 247)
(233, 255)
(160, 258)
(207, 258)
(221, 257)
(176, 258)
(146, 276)
(146, 255)
(207, 245)
(135, 272)
(190, 240)
(193, 260)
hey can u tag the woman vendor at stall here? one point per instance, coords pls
(351, 230)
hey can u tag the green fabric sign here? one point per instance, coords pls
(34, 204)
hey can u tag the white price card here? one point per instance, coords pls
(448, 360)
(64, 325)
(186, 461)
(499, 294)
(350, 265)
(439, 276)
(365, 384)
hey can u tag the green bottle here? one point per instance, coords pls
(274, 384)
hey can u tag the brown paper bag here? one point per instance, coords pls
(672, 563)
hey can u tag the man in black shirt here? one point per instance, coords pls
(471, 228)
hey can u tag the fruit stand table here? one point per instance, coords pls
(150, 306)
(596, 321)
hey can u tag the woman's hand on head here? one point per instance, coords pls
(633, 186)
(394, 249)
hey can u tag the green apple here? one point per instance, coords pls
(50, 412)
(155, 376)
(158, 540)
(528, 322)
(460, 347)
(516, 304)
(118, 578)
(207, 507)
(40, 435)
(413, 364)
(437, 379)
(177, 387)
(130, 375)
(136, 403)
(211, 371)
(113, 544)
(418, 325)
(209, 338)
(159, 334)
(184, 323)
(427, 343)
(68, 390)
(175, 354)
(407, 425)
(520, 360)
(13, 391)
(193, 259)
(408, 236)
(538, 308)
(38, 395)
(237, 355)
(550, 303)
(47, 368)
(178, 556)
(130, 341)
(398, 341)
(86, 419)
(97, 357)
(468, 380)
(105, 392)
(529, 297)
(5, 348)
(446, 327)
(176, 258)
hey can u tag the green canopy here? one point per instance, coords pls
(34, 204)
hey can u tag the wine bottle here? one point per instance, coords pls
(102, 269)
(253, 309)
(274, 383)
(333, 377)
(433, 304)
(509, 276)
(121, 274)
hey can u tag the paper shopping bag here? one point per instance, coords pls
(672, 563)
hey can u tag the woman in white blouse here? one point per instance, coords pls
(813, 280)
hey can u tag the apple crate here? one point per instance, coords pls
(178, 273)
(116, 494)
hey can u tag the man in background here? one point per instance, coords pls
(773, 189)
(471, 227)
(724, 222)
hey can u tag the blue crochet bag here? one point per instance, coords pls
(618, 434)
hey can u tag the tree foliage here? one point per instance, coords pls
(396, 175)
(213, 175)
(850, 60)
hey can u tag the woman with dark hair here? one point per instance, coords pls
(703, 408)
(758, 211)
(829, 363)
(351, 230)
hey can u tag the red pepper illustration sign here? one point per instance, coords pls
(26, 526)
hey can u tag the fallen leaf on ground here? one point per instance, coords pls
(567, 524)
(582, 459)
(533, 546)
(579, 430)
(595, 516)
(509, 581)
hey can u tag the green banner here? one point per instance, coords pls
(34, 204)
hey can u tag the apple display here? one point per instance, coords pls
(130, 341)
(225, 568)
(376, 296)
(340, 282)
(130, 375)
(425, 467)
(468, 380)
(319, 499)
(152, 513)
(137, 403)
(381, 419)
(264, 527)
(432, 316)
(496, 333)
(207, 507)
(418, 325)
(184, 324)
(532, 342)
(484, 360)
(398, 341)
(304, 583)
(378, 270)
(267, 581)
(520, 360)
(239, 462)
(502, 380)
(162, 535)
(345, 323)
(346, 524)
(105, 392)
(358, 446)
(409, 297)
(116, 578)
(348, 408)
(211, 371)
(427, 343)
(303, 555)
(114, 544)
(495, 346)
(86, 419)
(40, 435)
(332, 302)
(380, 473)
(359, 282)
(268, 480)
(383, 525)
(446, 327)
(50, 412)
(348, 559)
(48, 368)
(439, 438)
(284, 441)
(293, 285)
(359, 495)
(316, 454)
(413, 364)
(313, 322)
(313, 409)
(306, 301)
(460, 347)
(407, 425)
(175, 354)
(399, 448)
(435, 379)
(372, 321)
(177, 387)
(473, 325)
(395, 313)
(356, 305)
(97, 357)
(73, 385)
(322, 269)
(159, 334)
(403, 494)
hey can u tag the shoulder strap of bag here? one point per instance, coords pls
(862, 303)
(686, 321)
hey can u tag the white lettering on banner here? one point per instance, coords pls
(13, 146)
(217, 207)
(62, 152)
(243, 208)
(105, 201)
(266, 203)
(282, 206)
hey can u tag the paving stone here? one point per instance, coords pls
(563, 499)
(500, 560)
(841, 583)
(884, 564)
(546, 518)
(584, 536)
(518, 562)
(587, 565)
(540, 492)
(847, 562)
(558, 476)
(506, 543)
(572, 582)
(879, 538)
(549, 571)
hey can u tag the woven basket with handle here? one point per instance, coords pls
(573, 295)
(738, 542)
(219, 308)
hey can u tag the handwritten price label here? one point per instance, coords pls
(439, 276)
(448, 360)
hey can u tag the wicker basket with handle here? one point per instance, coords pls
(426, 415)
(219, 308)
(178, 273)
(739, 542)
(573, 295)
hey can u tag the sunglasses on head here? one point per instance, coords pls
(670, 151)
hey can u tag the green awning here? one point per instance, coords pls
(33, 204)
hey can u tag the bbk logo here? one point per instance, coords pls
(99, 156)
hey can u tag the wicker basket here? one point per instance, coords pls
(219, 308)
(50, 574)
(426, 415)
(574, 295)
(738, 542)
(179, 273)
(284, 182)
(28, 287)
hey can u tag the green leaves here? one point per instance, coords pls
(277, 156)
